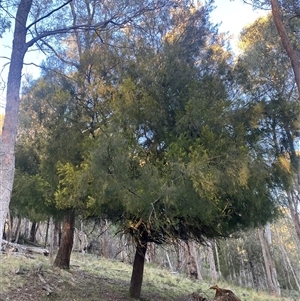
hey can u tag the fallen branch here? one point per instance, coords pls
(13, 247)
(45, 286)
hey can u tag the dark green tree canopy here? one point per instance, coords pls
(175, 160)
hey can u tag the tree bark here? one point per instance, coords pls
(10, 227)
(212, 263)
(269, 265)
(285, 257)
(217, 259)
(51, 238)
(18, 229)
(292, 53)
(191, 264)
(56, 235)
(138, 271)
(33, 230)
(293, 206)
(151, 253)
(63, 256)
(47, 232)
(9, 129)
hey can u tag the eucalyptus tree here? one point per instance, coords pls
(285, 15)
(35, 23)
(271, 88)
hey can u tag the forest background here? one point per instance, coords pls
(144, 123)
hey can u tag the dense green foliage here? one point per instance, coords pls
(158, 145)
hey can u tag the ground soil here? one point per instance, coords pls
(78, 285)
(72, 285)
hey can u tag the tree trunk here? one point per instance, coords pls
(169, 262)
(151, 253)
(18, 229)
(292, 53)
(293, 206)
(63, 256)
(33, 230)
(138, 271)
(191, 263)
(51, 238)
(269, 266)
(10, 227)
(9, 129)
(47, 233)
(105, 244)
(26, 230)
(56, 235)
(285, 258)
(218, 260)
(212, 263)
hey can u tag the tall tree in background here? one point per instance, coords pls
(287, 43)
(284, 14)
(271, 87)
(286, 18)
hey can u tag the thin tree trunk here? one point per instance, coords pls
(56, 235)
(63, 256)
(286, 259)
(26, 229)
(47, 232)
(9, 129)
(269, 266)
(212, 263)
(18, 229)
(169, 262)
(293, 206)
(105, 246)
(123, 253)
(51, 238)
(218, 259)
(138, 271)
(151, 254)
(10, 227)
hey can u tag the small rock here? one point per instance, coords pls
(39, 266)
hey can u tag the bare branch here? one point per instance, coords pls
(49, 14)
(68, 29)
(100, 25)
(58, 55)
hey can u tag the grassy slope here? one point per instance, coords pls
(92, 278)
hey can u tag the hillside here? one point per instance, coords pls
(92, 278)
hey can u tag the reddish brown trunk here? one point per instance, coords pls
(33, 231)
(138, 271)
(292, 53)
(63, 256)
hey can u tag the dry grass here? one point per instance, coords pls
(92, 278)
